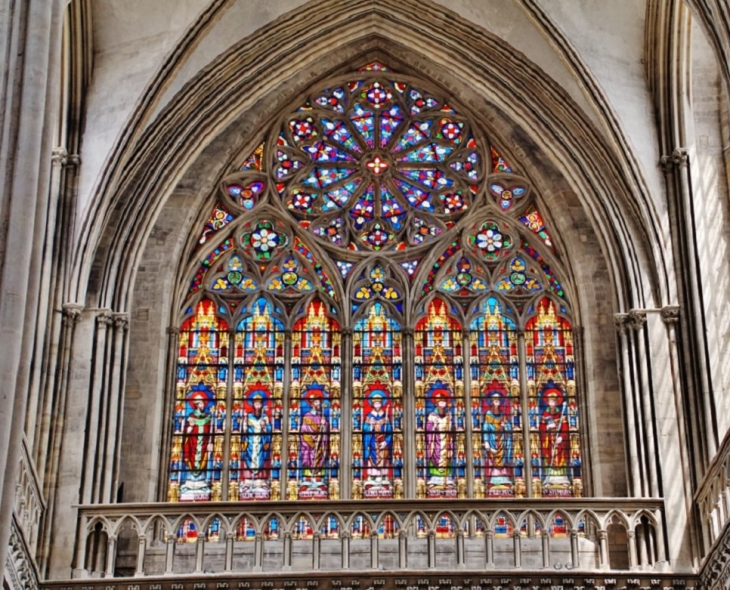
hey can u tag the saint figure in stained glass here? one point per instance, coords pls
(314, 448)
(198, 447)
(256, 440)
(439, 438)
(554, 439)
(378, 399)
(497, 441)
(378, 438)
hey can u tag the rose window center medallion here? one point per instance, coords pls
(376, 164)
(371, 163)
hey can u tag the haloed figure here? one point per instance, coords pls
(440, 438)
(378, 439)
(497, 441)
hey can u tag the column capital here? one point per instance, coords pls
(173, 330)
(104, 318)
(60, 158)
(346, 331)
(408, 331)
(637, 319)
(72, 312)
(679, 157)
(121, 321)
(670, 315)
(621, 321)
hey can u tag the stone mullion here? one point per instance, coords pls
(284, 474)
(409, 423)
(228, 429)
(634, 458)
(468, 426)
(346, 393)
(524, 401)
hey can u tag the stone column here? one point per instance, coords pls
(634, 459)
(116, 402)
(96, 404)
(637, 321)
(29, 88)
(676, 167)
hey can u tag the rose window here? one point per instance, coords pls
(374, 163)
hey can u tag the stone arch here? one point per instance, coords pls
(188, 178)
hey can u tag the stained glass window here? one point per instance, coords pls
(315, 407)
(439, 405)
(497, 445)
(376, 163)
(199, 419)
(555, 451)
(377, 406)
(257, 413)
(345, 233)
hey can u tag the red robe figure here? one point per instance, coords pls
(197, 450)
(554, 440)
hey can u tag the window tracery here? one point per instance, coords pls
(385, 278)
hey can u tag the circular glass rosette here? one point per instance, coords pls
(374, 163)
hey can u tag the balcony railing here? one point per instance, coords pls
(177, 539)
(29, 502)
(713, 496)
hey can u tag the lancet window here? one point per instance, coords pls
(374, 314)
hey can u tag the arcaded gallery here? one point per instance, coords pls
(360, 294)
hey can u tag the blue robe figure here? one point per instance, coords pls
(256, 439)
(377, 439)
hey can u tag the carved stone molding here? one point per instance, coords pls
(679, 157)
(670, 315)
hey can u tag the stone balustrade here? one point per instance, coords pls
(29, 502)
(586, 535)
(713, 497)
